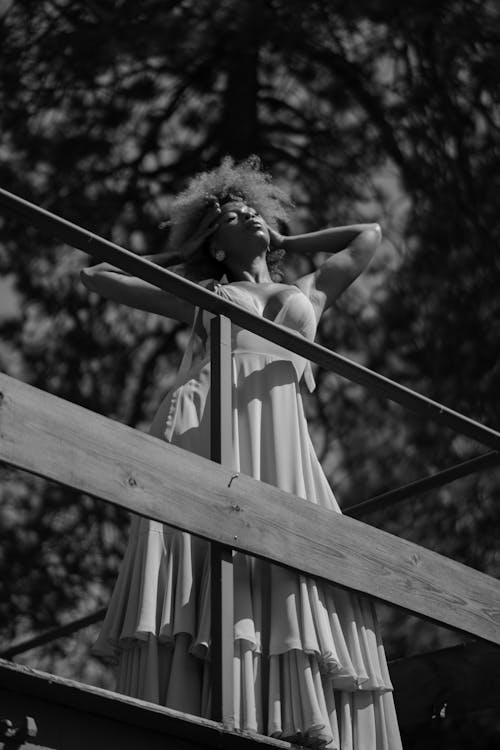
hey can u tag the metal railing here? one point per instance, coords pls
(225, 313)
(105, 250)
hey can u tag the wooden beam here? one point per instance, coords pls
(457, 679)
(107, 251)
(73, 716)
(58, 440)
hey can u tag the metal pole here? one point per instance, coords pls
(171, 282)
(221, 557)
(51, 635)
(441, 478)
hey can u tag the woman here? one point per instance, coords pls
(328, 679)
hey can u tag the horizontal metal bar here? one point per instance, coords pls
(52, 635)
(175, 284)
(407, 491)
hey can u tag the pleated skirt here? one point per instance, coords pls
(327, 682)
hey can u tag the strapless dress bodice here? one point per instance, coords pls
(294, 311)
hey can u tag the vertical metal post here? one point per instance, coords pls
(221, 565)
(265, 635)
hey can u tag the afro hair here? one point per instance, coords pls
(244, 180)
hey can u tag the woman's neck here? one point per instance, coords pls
(256, 272)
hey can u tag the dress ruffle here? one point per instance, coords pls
(328, 682)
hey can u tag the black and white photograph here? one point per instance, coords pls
(249, 375)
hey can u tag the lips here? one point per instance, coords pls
(254, 224)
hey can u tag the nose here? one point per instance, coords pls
(249, 213)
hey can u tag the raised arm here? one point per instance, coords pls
(352, 248)
(118, 286)
(114, 284)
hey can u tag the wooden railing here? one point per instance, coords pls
(49, 436)
(79, 449)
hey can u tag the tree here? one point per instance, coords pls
(363, 111)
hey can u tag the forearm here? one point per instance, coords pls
(100, 270)
(347, 261)
(111, 283)
(331, 240)
(161, 259)
(102, 278)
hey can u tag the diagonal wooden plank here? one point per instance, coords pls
(58, 440)
(72, 716)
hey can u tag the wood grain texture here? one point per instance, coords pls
(60, 441)
(73, 716)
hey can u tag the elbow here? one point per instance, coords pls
(365, 246)
(87, 277)
(373, 233)
(369, 239)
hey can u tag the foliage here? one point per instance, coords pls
(368, 110)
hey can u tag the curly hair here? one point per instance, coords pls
(244, 180)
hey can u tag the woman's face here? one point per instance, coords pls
(240, 230)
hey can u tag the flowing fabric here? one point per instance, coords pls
(328, 682)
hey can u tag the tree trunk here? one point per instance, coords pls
(239, 125)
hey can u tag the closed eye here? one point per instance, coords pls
(246, 212)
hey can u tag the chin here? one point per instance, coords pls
(262, 236)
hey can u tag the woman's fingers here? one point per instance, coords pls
(208, 224)
(213, 209)
(210, 219)
(275, 238)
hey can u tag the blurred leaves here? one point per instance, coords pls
(363, 111)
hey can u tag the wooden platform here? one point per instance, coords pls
(73, 716)
(454, 681)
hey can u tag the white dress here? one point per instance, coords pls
(328, 678)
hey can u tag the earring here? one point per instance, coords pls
(220, 255)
